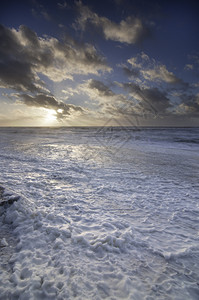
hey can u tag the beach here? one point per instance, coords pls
(100, 213)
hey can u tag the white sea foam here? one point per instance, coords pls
(93, 219)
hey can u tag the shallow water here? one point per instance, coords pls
(103, 213)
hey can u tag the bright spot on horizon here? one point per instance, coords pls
(51, 116)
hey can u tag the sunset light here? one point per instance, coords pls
(50, 117)
(99, 150)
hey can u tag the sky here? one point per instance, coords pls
(99, 63)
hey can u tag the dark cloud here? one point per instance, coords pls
(189, 105)
(17, 62)
(150, 99)
(102, 89)
(9, 43)
(23, 55)
(18, 75)
(157, 99)
(16, 66)
(30, 36)
(50, 102)
(130, 72)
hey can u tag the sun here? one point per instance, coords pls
(50, 117)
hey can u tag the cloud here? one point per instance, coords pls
(98, 92)
(130, 72)
(189, 105)
(184, 109)
(129, 31)
(158, 103)
(15, 69)
(157, 89)
(160, 73)
(150, 100)
(62, 109)
(39, 11)
(193, 66)
(152, 70)
(24, 55)
(189, 67)
(139, 101)
(62, 5)
(19, 76)
(101, 89)
(194, 58)
(18, 117)
(107, 101)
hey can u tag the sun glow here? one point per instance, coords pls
(50, 116)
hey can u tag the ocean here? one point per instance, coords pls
(99, 213)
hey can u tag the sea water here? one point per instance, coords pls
(103, 213)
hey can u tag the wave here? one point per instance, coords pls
(188, 141)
